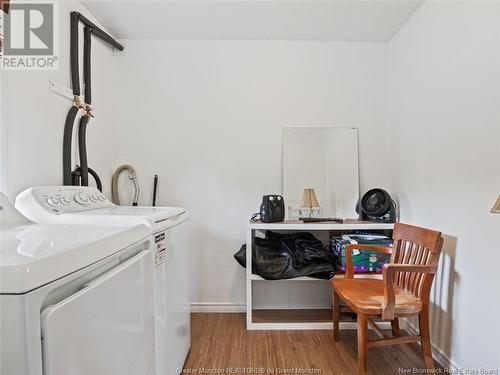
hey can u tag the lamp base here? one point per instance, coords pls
(308, 212)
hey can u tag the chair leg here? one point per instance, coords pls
(395, 327)
(426, 339)
(336, 316)
(362, 344)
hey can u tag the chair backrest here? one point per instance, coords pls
(416, 246)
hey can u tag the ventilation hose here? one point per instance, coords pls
(115, 198)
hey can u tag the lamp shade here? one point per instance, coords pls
(309, 198)
(5, 5)
(496, 207)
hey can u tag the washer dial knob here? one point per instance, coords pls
(52, 201)
(82, 199)
(66, 201)
(94, 198)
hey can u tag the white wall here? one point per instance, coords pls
(3, 138)
(33, 117)
(444, 96)
(207, 116)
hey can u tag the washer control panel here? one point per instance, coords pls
(61, 199)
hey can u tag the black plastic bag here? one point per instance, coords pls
(285, 256)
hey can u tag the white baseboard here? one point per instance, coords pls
(214, 307)
(441, 358)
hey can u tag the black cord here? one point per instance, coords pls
(255, 217)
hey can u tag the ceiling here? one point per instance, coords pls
(349, 20)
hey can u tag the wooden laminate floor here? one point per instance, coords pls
(222, 345)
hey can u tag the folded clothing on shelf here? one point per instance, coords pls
(364, 261)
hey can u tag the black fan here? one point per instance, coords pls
(377, 205)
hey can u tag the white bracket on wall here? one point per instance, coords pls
(61, 90)
(64, 91)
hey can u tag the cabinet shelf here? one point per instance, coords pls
(328, 225)
(255, 277)
(302, 278)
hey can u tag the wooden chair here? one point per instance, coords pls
(403, 291)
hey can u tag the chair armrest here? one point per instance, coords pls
(390, 269)
(349, 268)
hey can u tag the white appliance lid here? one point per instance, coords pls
(32, 255)
(154, 217)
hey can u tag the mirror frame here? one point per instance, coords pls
(358, 193)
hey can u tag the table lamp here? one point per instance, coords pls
(310, 201)
(496, 207)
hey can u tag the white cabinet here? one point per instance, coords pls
(294, 317)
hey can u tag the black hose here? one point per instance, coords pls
(98, 32)
(82, 148)
(84, 120)
(87, 38)
(75, 76)
(68, 178)
(97, 179)
(67, 140)
(73, 178)
(82, 129)
(77, 173)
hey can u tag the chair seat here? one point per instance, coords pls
(367, 296)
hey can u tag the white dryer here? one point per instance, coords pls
(75, 204)
(74, 299)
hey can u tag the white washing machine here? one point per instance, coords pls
(75, 204)
(75, 299)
